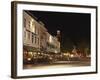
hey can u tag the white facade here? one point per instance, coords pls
(31, 31)
(36, 35)
(53, 44)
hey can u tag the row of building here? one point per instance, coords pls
(36, 37)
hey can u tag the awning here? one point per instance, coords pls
(32, 49)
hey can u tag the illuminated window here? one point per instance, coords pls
(50, 38)
(32, 25)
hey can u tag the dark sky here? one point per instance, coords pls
(73, 26)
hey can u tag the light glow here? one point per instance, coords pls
(28, 59)
(32, 25)
(71, 55)
(50, 38)
(55, 51)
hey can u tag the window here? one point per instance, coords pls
(24, 22)
(28, 35)
(25, 34)
(32, 37)
(35, 39)
(29, 24)
(38, 41)
(35, 29)
(38, 31)
(33, 26)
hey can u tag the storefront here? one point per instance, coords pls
(30, 54)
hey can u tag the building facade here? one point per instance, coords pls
(36, 39)
(53, 45)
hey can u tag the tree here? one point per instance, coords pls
(84, 47)
(67, 45)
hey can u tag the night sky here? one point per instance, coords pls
(74, 27)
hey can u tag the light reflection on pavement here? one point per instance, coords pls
(58, 64)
